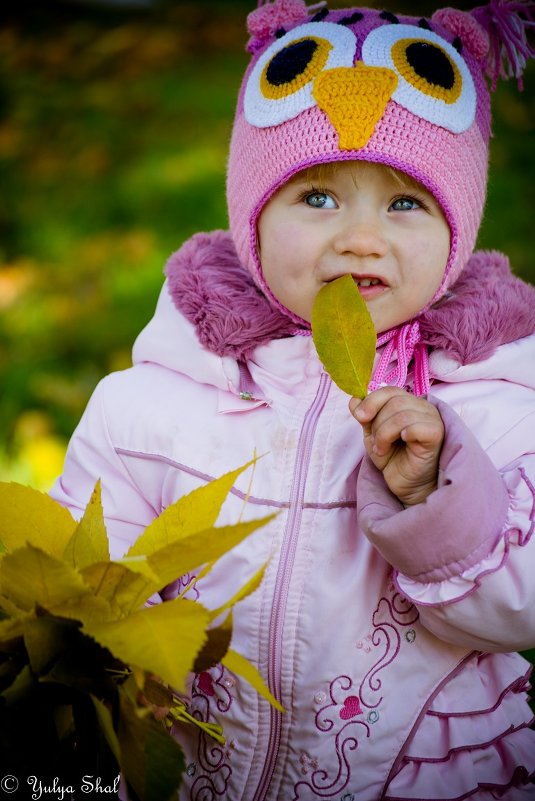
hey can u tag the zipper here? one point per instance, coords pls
(282, 583)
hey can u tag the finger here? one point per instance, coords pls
(366, 409)
(354, 403)
(423, 436)
(385, 430)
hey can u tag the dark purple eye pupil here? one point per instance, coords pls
(290, 62)
(431, 63)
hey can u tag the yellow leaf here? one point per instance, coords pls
(7, 606)
(20, 688)
(138, 675)
(89, 542)
(9, 629)
(106, 726)
(238, 664)
(216, 646)
(29, 577)
(86, 609)
(123, 589)
(192, 513)
(138, 564)
(163, 639)
(344, 336)
(46, 638)
(178, 558)
(242, 593)
(27, 515)
(156, 693)
(151, 762)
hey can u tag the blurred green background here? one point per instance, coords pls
(114, 127)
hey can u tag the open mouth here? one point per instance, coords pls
(364, 282)
(370, 286)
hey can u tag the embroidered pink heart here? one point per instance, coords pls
(351, 707)
(205, 683)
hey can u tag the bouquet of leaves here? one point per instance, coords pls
(84, 660)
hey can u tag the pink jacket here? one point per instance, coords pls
(385, 632)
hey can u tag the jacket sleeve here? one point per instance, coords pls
(466, 556)
(91, 455)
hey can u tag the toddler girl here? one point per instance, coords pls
(400, 581)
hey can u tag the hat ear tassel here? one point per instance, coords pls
(507, 23)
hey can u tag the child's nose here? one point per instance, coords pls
(361, 237)
(354, 99)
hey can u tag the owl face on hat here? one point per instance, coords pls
(365, 85)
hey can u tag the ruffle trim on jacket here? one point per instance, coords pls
(518, 529)
(474, 741)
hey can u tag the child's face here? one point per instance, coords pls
(363, 219)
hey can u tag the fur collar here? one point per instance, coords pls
(485, 308)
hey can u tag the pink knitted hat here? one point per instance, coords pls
(364, 84)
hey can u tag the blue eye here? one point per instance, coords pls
(405, 204)
(320, 200)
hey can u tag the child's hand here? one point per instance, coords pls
(403, 436)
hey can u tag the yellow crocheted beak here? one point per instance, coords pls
(354, 99)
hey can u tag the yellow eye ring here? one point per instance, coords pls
(401, 57)
(280, 84)
(318, 49)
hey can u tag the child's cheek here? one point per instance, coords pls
(283, 243)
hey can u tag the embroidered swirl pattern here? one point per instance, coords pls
(210, 694)
(385, 634)
(346, 739)
(347, 715)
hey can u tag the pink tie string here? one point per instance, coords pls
(402, 346)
